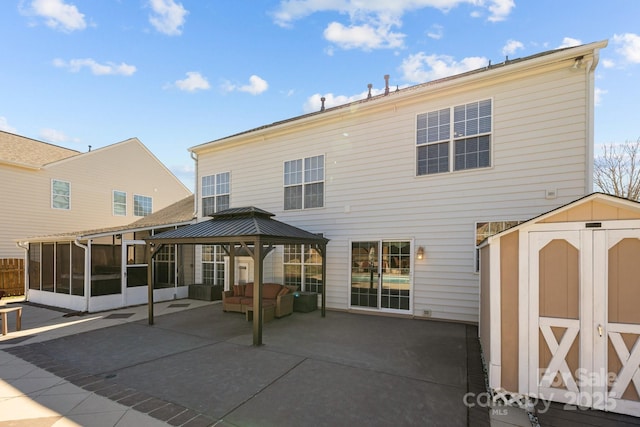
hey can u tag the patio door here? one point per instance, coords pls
(381, 275)
(584, 335)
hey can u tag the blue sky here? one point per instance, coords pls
(180, 73)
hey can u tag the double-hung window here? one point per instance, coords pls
(304, 183)
(215, 193)
(303, 267)
(463, 143)
(119, 203)
(142, 205)
(60, 194)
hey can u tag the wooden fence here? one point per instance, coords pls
(12, 276)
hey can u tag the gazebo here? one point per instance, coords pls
(250, 228)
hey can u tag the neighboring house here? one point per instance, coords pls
(50, 189)
(407, 183)
(106, 268)
(560, 316)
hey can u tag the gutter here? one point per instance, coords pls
(25, 246)
(87, 274)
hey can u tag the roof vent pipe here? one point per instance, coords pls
(386, 84)
(322, 106)
(369, 86)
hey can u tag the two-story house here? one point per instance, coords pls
(52, 190)
(405, 184)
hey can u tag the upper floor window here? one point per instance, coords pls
(142, 205)
(119, 203)
(467, 142)
(304, 183)
(215, 193)
(60, 194)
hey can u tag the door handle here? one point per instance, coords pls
(600, 330)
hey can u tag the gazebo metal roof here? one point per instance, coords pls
(250, 228)
(238, 225)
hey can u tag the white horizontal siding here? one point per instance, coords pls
(371, 191)
(93, 176)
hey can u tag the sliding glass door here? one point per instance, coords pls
(381, 275)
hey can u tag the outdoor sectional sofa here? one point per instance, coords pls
(273, 294)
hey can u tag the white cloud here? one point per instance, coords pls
(109, 68)
(500, 9)
(168, 16)
(58, 15)
(511, 47)
(5, 126)
(608, 63)
(628, 46)
(256, 86)
(372, 23)
(436, 32)
(420, 68)
(597, 95)
(53, 136)
(194, 81)
(569, 42)
(365, 37)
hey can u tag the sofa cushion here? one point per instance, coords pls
(233, 300)
(270, 290)
(246, 301)
(248, 290)
(238, 290)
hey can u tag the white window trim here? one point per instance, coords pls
(476, 257)
(303, 183)
(452, 140)
(215, 194)
(134, 204)
(53, 180)
(113, 202)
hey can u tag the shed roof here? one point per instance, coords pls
(245, 224)
(607, 199)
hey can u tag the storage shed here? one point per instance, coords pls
(560, 305)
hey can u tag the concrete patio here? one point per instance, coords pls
(196, 366)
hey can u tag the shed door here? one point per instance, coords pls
(585, 326)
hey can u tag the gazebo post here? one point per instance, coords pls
(150, 280)
(257, 292)
(232, 265)
(323, 251)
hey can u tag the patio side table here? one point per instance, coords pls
(304, 302)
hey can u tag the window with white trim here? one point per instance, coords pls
(142, 205)
(303, 267)
(487, 229)
(304, 183)
(442, 147)
(119, 203)
(215, 193)
(60, 194)
(212, 265)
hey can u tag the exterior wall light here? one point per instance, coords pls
(420, 253)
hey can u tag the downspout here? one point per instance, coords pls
(25, 246)
(590, 83)
(194, 156)
(87, 273)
